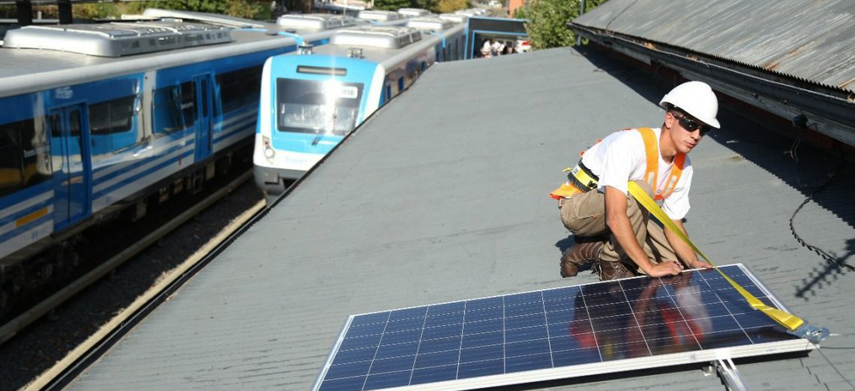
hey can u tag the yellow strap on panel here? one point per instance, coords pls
(786, 319)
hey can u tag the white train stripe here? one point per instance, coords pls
(26, 238)
(13, 225)
(119, 166)
(46, 196)
(133, 187)
(149, 165)
(228, 141)
(239, 117)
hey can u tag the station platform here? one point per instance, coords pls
(442, 196)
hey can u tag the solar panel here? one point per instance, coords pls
(597, 328)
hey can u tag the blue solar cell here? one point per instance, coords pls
(528, 363)
(526, 334)
(484, 314)
(405, 324)
(396, 350)
(554, 328)
(564, 358)
(349, 384)
(387, 380)
(624, 351)
(379, 317)
(526, 348)
(484, 304)
(401, 337)
(723, 339)
(482, 353)
(448, 357)
(361, 342)
(349, 370)
(435, 374)
(409, 313)
(394, 364)
(480, 368)
(443, 331)
(572, 341)
(346, 356)
(484, 326)
(530, 320)
(444, 319)
(447, 308)
(483, 339)
(438, 345)
(524, 309)
(522, 298)
(366, 330)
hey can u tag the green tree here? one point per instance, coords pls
(448, 6)
(547, 26)
(392, 5)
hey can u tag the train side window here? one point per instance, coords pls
(231, 91)
(252, 85)
(167, 110)
(204, 98)
(240, 88)
(400, 84)
(111, 124)
(188, 103)
(24, 155)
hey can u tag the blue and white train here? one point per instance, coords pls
(310, 102)
(99, 117)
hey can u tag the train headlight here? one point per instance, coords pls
(269, 153)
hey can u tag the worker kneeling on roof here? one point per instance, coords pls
(609, 226)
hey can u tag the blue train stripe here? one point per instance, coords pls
(18, 239)
(161, 152)
(238, 128)
(173, 141)
(17, 208)
(143, 171)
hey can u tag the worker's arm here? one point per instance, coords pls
(618, 222)
(683, 250)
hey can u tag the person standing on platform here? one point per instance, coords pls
(609, 226)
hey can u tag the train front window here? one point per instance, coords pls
(318, 107)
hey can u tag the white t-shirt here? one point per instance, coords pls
(621, 158)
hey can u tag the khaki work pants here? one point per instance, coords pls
(584, 215)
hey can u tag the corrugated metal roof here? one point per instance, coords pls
(442, 196)
(810, 40)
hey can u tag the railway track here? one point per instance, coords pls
(54, 367)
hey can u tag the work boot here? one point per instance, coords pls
(612, 270)
(578, 255)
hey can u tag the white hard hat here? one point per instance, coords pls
(695, 98)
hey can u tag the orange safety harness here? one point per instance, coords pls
(581, 180)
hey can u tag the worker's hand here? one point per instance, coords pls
(699, 264)
(665, 268)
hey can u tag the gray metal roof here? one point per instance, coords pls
(442, 196)
(810, 40)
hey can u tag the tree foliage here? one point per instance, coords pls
(392, 5)
(448, 6)
(548, 19)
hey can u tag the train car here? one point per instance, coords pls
(98, 118)
(382, 18)
(413, 12)
(309, 103)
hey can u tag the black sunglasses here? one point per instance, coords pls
(691, 124)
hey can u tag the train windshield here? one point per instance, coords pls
(319, 107)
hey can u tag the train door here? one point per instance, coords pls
(72, 167)
(204, 116)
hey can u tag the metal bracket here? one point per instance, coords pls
(811, 333)
(729, 375)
